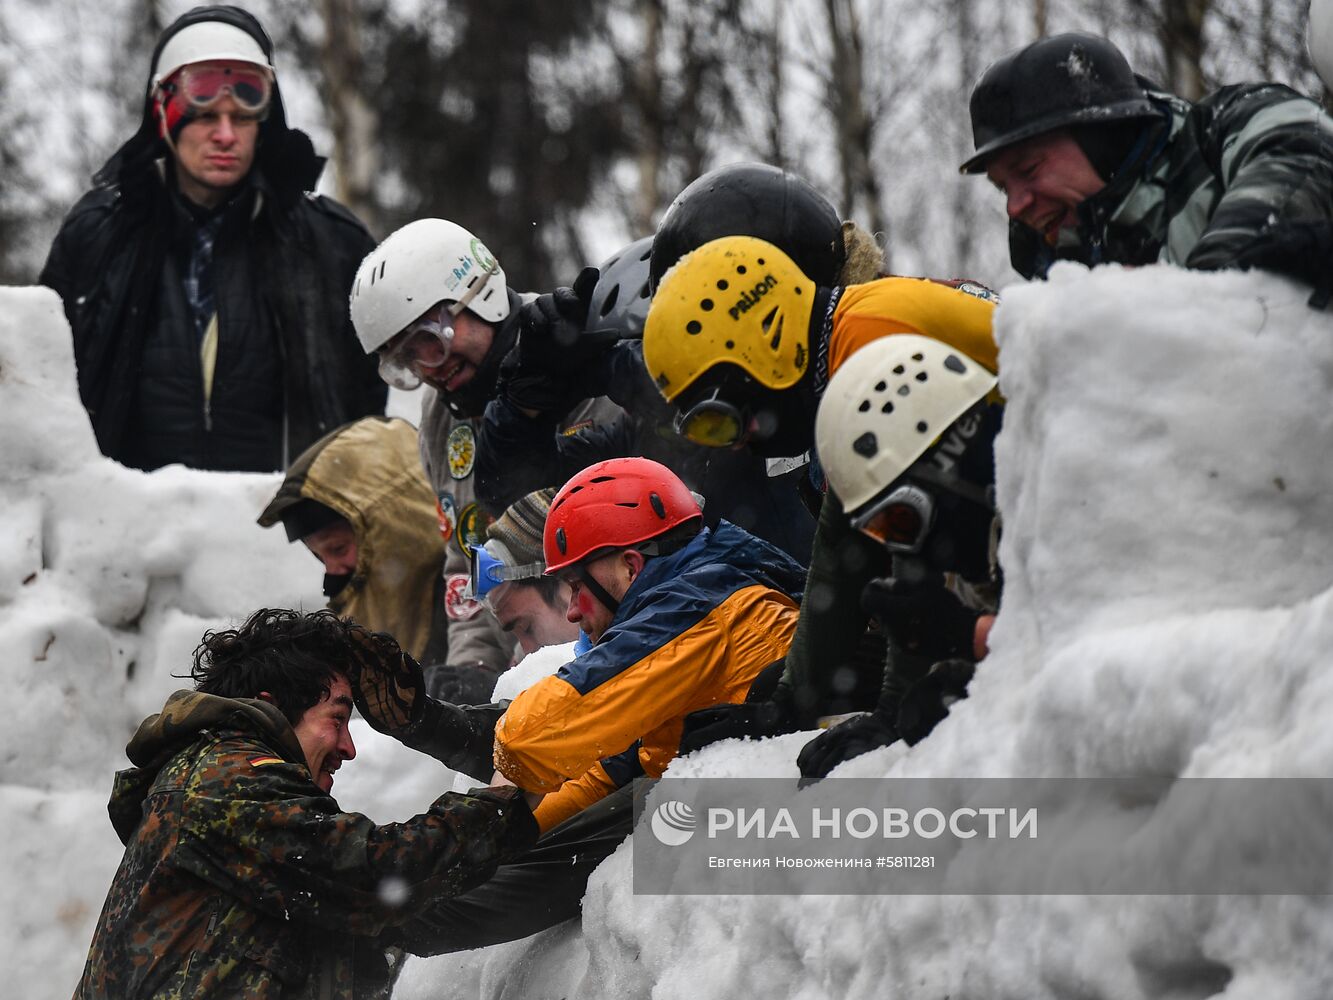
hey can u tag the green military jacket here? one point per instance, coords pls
(242, 879)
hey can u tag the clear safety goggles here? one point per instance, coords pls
(423, 345)
(199, 86)
(427, 342)
(488, 571)
(714, 423)
(900, 521)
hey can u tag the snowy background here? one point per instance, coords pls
(1165, 481)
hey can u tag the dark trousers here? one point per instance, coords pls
(539, 890)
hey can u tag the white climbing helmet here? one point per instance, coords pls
(424, 263)
(886, 406)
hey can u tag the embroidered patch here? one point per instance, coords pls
(456, 606)
(461, 451)
(261, 761)
(472, 525)
(573, 429)
(447, 514)
(979, 291)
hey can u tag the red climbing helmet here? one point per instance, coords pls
(614, 504)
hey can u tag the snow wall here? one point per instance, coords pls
(1166, 486)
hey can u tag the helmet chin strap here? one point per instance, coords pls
(597, 590)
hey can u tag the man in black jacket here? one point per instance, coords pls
(206, 289)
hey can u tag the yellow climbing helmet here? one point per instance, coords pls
(737, 300)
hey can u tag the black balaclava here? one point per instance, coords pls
(1107, 146)
(959, 538)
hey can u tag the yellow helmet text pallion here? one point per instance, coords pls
(736, 300)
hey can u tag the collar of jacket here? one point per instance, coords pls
(182, 721)
(1114, 223)
(725, 544)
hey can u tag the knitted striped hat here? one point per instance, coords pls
(519, 528)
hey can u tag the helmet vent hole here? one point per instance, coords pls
(602, 479)
(864, 407)
(921, 426)
(659, 508)
(560, 542)
(706, 305)
(631, 504)
(866, 445)
(903, 390)
(646, 254)
(610, 302)
(693, 327)
(954, 365)
(898, 369)
(881, 386)
(731, 345)
(740, 268)
(918, 356)
(382, 263)
(921, 376)
(723, 284)
(645, 292)
(760, 261)
(887, 407)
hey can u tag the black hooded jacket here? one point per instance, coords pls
(288, 366)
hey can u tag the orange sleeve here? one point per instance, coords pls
(573, 797)
(553, 733)
(912, 305)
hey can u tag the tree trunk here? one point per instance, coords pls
(353, 120)
(854, 124)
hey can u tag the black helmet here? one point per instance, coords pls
(1069, 79)
(620, 299)
(753, 199)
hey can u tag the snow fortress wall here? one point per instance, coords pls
(1165, 481)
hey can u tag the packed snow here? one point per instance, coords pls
(1165, 483)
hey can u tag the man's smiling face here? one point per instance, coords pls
(323, 734)
(1044, 179)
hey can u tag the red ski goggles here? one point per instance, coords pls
(199, 86)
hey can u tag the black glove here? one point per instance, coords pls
(543, 373)
(926, 703)
(1301, 250)
(461, 737)
(849, 739)
(387, 684)
(922, 616)
(755, 720)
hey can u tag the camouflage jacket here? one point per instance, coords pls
(1208, 187)
(242, 879)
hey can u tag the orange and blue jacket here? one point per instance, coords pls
(694, 629)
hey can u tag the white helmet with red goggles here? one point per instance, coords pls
(208, 41)
(886, 406)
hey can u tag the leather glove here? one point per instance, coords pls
(923, 616)
(1301, 250)
(543, 374)
(755, 721)
(387, 684)
(389, 690)
(844, 741)
(926, 703)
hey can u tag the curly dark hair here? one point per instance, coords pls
(293, 655)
